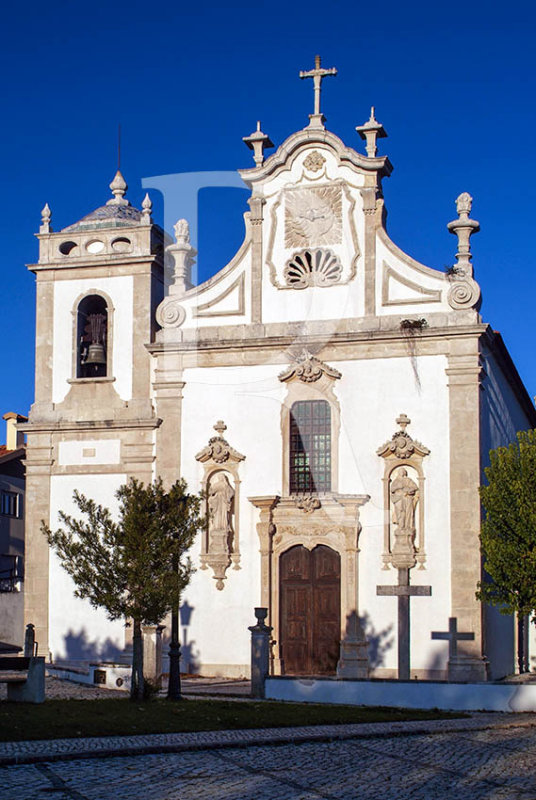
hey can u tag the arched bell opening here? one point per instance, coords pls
(92, 337)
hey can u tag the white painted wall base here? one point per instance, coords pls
(118, 676)
(410, 694)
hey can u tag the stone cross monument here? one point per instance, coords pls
(404, 496)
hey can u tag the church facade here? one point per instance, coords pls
(334, 398)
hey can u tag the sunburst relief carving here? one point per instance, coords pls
(313, 216)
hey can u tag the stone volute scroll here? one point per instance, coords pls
(179, 259)
(404, 541)
(464, 291)
(221, 485)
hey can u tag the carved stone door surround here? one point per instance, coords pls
(285, 522)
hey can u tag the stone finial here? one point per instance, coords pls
(258, 142)
(220, 427)
(464, 203)
(403, 421)
(317, 119)
(147, 207)
(182, 231)
(179, 259)
(46, 215)
(119, 188)
(464, 228)
(370, 131)
(401, 444)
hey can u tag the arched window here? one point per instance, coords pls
(92, 337)
(310, 447)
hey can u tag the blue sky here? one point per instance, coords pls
(453, 83)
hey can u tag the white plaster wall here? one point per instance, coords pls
(507, 697)
(219, 312)
(120, 291)
(372, 393)
(249, 402)
(414, 272)
(106, 451)
(70, 616)
(336, 303)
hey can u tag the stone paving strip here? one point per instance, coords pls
(97, 747)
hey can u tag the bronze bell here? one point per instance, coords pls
(95, 354)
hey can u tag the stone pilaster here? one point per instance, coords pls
(256, 203)
(36, 571)
(141, 334)
(369, 193)
(464, 374)
(265, 531)
(168, 388)
(43, 343)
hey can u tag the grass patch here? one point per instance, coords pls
(57, 719)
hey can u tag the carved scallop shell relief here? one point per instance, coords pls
(313, 268)
(313, 216)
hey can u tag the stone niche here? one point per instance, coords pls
(403, 490)
(220, 543)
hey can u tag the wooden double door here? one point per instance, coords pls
(310, 610)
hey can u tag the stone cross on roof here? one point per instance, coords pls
(317, 118)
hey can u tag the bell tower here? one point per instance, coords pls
(98, 284)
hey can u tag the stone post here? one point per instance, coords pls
(152, 653)
(29, 641)
(353, 661)
(260, 652)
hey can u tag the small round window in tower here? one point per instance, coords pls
(68, 249)
(319, 267)
(94, 247)
(121, 245)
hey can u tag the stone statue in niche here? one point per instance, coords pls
(220, 501)
(404, 494)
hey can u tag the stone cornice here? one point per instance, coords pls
(264, 337)
(45, 426)
(308, 136)
(104, 262)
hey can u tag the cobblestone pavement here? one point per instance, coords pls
(492, 764)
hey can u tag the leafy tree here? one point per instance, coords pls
(508, 533)
(136, 566)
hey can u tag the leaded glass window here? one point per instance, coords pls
(310, 447)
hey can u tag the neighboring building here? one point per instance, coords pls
(12, 532)
(335, 398)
